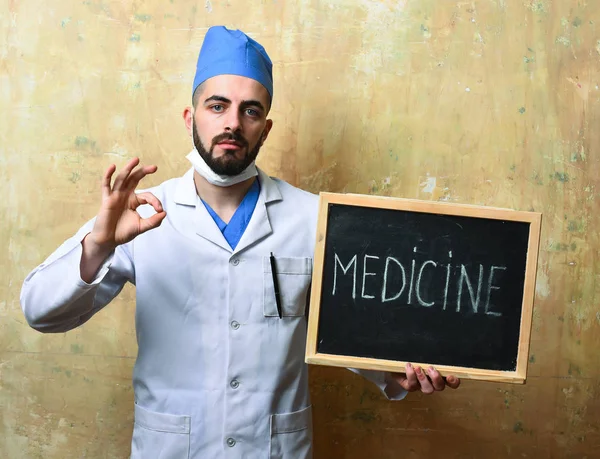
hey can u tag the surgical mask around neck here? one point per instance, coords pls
(211, 176)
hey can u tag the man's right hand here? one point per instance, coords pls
(117, 221)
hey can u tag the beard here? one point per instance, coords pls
(227, 164)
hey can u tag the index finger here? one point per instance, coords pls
(411, 383)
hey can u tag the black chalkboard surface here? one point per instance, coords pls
(399, 281)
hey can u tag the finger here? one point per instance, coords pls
(453, 382)
(426, 386)
(137, 175)
(122, 176)
(106, 179)
(152, 222)
(437, 381)
(147, 198)
(399, 378)
(411, 384)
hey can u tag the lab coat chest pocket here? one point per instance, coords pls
(291, 435)
(293, 277)
(160, 436)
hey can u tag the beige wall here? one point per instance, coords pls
(492, 102)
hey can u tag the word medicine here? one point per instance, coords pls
(387, 279)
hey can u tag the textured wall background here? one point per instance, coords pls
(491, 102)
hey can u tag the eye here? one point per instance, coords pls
(217, 108)
(252, 112)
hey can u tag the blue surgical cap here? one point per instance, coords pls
(232, 52)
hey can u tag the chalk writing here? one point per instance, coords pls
(471, 286)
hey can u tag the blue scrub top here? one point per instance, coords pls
(234, 230)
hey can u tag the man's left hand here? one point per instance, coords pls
(427, 381)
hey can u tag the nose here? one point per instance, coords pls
(232, 121)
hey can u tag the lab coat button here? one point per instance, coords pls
(234, 384)
(235, 325)
(235, 261)
(230, 442)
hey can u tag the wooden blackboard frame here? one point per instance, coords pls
(533, 218)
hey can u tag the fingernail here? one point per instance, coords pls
(430, 369)
(408, 365)
(419, 371)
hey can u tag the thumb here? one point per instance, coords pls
(146, 224)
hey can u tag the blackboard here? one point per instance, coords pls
(399, 281)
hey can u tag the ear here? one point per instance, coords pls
(188, 119)
(266, 131)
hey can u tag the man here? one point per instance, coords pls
(219, 373)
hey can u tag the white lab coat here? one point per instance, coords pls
(218, 374)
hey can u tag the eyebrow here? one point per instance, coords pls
(216, 98)
(245, 103)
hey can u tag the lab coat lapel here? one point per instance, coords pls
(207, 228)
(260, 226)
(203, 224)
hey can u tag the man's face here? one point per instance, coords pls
(230, 122)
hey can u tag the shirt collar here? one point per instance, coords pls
(185, 191)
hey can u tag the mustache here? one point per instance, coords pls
(231, 136)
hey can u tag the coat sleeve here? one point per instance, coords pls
(54, 298)
(391, 389)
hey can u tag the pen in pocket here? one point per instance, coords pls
(276, 285)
